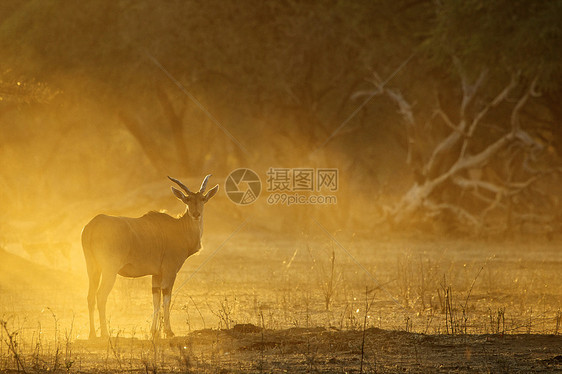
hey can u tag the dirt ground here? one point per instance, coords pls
(309, 303)
(248, 348)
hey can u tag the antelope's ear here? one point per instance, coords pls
(211, 193)
(180, 195)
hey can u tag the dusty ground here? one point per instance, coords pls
(246, 348)
(308, 303)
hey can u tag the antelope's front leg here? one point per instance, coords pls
(167, 295)
(156, 291)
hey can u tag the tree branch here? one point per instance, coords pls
(476, 184)
(515, 122)
(440, 113)
(469, 90)
(148, 145)
(455, 209)
(175, 120)
(494, 103)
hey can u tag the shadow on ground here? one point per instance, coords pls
(248, 348)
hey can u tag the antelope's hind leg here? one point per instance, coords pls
(94, 275)
(156, 296)
(107, 282)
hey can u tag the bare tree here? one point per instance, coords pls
(174, 124)
(478, 169)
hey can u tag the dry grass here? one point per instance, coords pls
(268, 304)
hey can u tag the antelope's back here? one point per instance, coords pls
(116, 242)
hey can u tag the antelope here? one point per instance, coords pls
(155, 244)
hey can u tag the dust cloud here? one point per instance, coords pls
(406, 215)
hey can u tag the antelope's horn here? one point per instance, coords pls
(204, 184)
(183, 186)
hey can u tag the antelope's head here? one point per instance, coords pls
(194, 200)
